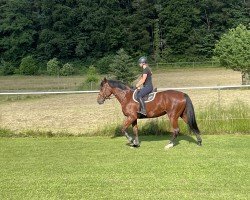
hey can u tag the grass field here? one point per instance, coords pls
(80, 114)
(106, 168)
(101, 167)
(169, 77)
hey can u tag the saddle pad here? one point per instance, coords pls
(147, 98)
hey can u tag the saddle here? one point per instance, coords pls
(149, 97)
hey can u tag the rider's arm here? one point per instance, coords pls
(141, 81)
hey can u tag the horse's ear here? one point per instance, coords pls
(105, 80)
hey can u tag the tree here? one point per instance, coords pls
(88, 30)
(190, 28)
(18, 29)
(157, 42)
(6, 68)
(122, 67)
(233, 51)
(28, 66)
(103, 64)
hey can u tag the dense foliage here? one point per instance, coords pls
(233, 51)
(85, 31)
(122, 67)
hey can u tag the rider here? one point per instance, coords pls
(146, 82)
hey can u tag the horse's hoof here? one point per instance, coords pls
(170, 145)
(133, 146)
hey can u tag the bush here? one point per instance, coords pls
(28, 66)
(53, 67)
(67, 69)
(92, 75)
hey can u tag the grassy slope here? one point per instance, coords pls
(100, 167)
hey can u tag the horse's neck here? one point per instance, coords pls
(122, 95)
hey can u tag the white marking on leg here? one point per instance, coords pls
(168, 146)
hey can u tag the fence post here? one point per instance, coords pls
(219, 100)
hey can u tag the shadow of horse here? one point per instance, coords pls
(167, 137)
(153, 131)
(156, 136)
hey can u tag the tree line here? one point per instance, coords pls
(92, 31)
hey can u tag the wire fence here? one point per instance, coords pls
(187, 64)
(96, 91)
(77, 111)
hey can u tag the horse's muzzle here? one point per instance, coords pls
(100, 100)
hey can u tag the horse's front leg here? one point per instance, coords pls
(135, 130)
(126, 124)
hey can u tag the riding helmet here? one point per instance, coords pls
(143, 59)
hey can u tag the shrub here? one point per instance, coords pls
(53, 66)
(67, 69)
(92, 75)
(28, 66)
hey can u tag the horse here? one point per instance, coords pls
(173, 103)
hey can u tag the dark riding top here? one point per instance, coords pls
(147, 85)
(148, 81)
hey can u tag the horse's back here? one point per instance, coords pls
(173, 94)
(172, 98)
(167, 101)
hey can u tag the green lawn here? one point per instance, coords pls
(106, 168)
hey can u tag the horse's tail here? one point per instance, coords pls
(191, 115)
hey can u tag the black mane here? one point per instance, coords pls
(117, 84)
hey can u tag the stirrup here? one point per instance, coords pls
(142, 113)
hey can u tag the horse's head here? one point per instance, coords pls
(105, 91)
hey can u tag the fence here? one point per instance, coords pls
(96, 91)
(187, 64)
(68, 111)
(217, 88)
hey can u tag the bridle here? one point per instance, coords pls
(104, 97)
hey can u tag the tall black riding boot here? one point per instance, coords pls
(142, 107)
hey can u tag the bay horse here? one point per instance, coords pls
(173, 103)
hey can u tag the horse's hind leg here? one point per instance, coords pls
(176, 130)
(198, 137)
